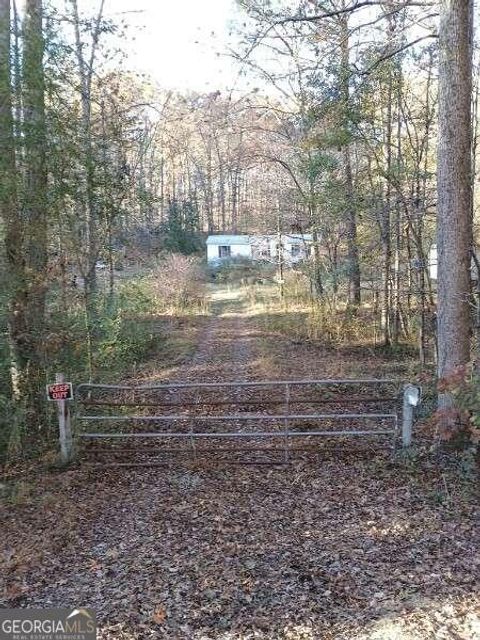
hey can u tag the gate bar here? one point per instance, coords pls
(241, 417)
(258, 434)
(267, 383)
(208, 403)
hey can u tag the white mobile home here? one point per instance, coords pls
(294, 247)
(223, 248)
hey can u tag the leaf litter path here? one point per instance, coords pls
(353, 547)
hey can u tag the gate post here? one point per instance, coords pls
(64, 425)
(411, 398)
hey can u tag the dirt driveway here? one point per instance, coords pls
(355, 546)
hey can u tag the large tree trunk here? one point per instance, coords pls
(9, 210)
(454, 225)
(35, 202)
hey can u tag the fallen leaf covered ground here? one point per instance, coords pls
(350, 544)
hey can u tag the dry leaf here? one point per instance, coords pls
(159, 614)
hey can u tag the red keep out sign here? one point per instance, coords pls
(60, 391)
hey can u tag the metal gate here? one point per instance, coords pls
(267, 422)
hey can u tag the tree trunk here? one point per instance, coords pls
(454, 223)
(85, 75)
(9, 210)
(354, 297)
(280, 258)
(398, 226)
(35, 202)
(17, 73)
(90, 206)
(351, 214)
(475, 134)
(386, 221)
(317, 266)
(235, 195)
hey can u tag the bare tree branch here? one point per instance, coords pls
(392, 54)
(350, 9)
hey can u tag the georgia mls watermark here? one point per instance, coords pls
(47, 624)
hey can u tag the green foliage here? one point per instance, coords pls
(334, 139)
(181, 228)
(123, 333)
(135, 297)
(315, 164)
(127, 333)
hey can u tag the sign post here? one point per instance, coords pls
(60, 392)
(411, 399)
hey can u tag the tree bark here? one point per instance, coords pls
(90, 205)
(454, 222)
(35, 204)
(9, 210)
(351, 213)
(386, 220)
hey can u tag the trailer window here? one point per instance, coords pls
(224, 252)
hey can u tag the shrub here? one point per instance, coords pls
(243, 271)
(179, 283)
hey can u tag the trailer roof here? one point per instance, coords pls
(226, 240)
(229, 240)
